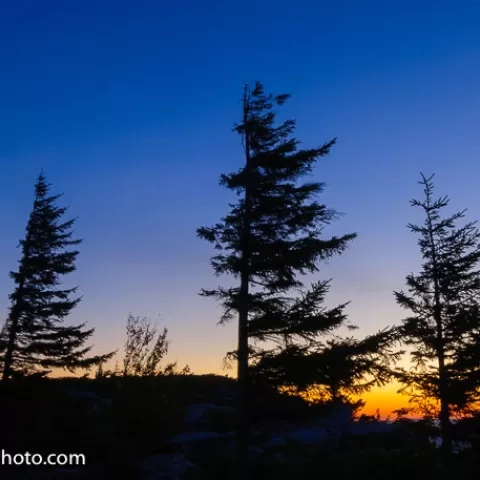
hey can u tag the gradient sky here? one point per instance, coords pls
(128, 106)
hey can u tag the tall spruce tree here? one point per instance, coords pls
(271, 235)
(444, 328)
(34, 337)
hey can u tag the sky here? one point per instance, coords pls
(128, 106)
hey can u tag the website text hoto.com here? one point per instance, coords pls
(33, 459)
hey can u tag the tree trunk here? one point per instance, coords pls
(7, 364)
(444, 417)
(14, 318)
(12, 335)
(243, 426)
(243, 423)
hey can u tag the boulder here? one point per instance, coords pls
(305, 436)
(199, 413)
(165, 467)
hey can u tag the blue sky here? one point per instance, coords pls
(128, 106)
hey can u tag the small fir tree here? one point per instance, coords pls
(337, 369)
(443, 330)
(35, 338)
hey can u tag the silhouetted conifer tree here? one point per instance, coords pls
(332, 369)
(34, 338)
(272, 235)
(444, 328)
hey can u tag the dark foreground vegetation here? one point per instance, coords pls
(127, 433)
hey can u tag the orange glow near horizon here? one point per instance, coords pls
(385, 399)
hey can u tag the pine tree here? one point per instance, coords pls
(334, 369)
(272, 235)
(444, 328)
(34, 337)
